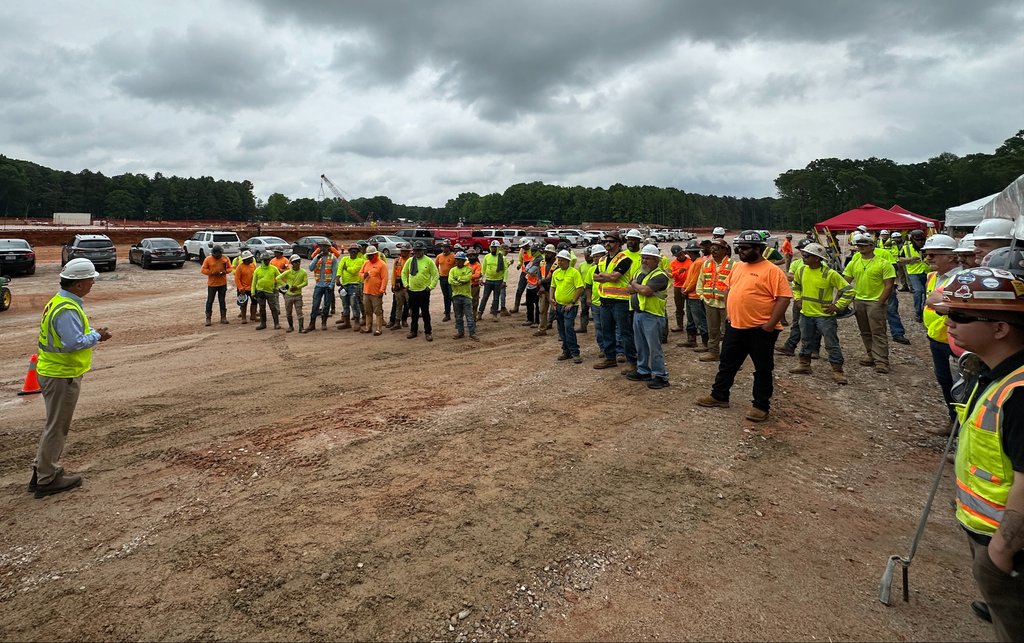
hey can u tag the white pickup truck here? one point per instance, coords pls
(200, 245)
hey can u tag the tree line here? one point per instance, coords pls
(823, 188)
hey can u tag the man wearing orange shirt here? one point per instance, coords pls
(216, 267)
(445, 261)
(696, 317)
(280, 261)
(757, 297)
(678, 267)
(243, 285)
(787, 251)
(374, 274)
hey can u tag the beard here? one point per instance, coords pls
(750, 258)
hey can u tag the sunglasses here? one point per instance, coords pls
(963, 318)
(744, 248)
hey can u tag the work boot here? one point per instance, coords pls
(479, 315)
(224, 318)
(866, 361)
(357, 328)
(756, 415)
(277, 326)
(704, 340)
(495, 320)
(397, 326)
(504, 312)
(209, 320)
(515, 309)
(529, 323)
(881, 368)
(241, 313)
(712, 402)
(262, 325)
(539, 333)
(343, 323)
(61, 483)
(635, 376)
(447, 317)
(815, 355)
(365, 329)
(458, 335)
(679, 330)
(621, 359)
(411, 335)
(252, 316)
(323, 322)
(291, 325)
(563, 356)
(901, 339)
(33, 482)
(837, 374)
(607, 363)
(657, 382)
(245, 319)
(708, 357)
(691, 341)
(474, 338)
(429, 337)
(803, 368)
(301, 329)
(785, 350)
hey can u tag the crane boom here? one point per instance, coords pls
(341, 197)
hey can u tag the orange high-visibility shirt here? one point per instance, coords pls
(211, 265)
(374, 274)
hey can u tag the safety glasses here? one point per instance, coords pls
(963, 318)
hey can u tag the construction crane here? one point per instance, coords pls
(341, 197)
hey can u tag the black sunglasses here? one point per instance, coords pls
(743, 248)
(963, 318)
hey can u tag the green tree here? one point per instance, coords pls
(120, 204)
(277, 207)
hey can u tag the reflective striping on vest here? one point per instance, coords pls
(968, 504)
(616, 289)
(985, 475)
(713, 276)
(51, 340)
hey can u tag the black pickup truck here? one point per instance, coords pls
(412, 235)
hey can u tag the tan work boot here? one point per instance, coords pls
(756, 415)
(881, 368)
(710, 402)
(209, 320)
(343, 323)
(708, 357)
(837, 374)
(803, 368)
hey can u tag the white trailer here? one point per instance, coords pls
(72, 218)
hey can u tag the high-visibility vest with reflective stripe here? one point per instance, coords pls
(615, 289)
(934, 323)
(634, 268)
(712, 278)
(817, 289)
(54, 361)
(910, 252)
(653, 304)
(534, 280)
(984, 473)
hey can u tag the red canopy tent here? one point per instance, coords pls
(876, 218)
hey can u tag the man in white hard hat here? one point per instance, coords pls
(873, 278)
(939, 251)
(649, 294)
(991, 234)
(374, 276)
(495, 270)
(632, 250)
(66, 342)
(965, 252)
(566, 291)
(718, 233)
(819, 293)
(523, 260)
(294, 279)
(896, 247)
(883, 240)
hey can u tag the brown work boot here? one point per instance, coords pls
(756, 415)
(62, 482)
(837, 374)
(691, 341)
(608, 363)
(223, 318)
(711, 402)
(803, 368)
(458, 335)
(343, 323)
(621, 359)
(209, 320)
(539, 333)
(785, 350)
(504, 313)
(708, 357)
(866, 361)
(881, 368)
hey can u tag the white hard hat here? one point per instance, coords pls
(598, 249)
(650, 250)
(371, 250)
(940, 242)
(246, 255)
(295, 258)
(815, 249)
(550, 248)
(79, 269)
(994, 229)
(564, 254)
(494, 243)
(862, 228)
(897, 235)
(634, 234)
(884, 232)
(719, 231)
(862, 238)
(524, 243)
(966, 245)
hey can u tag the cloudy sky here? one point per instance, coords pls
(422, 100)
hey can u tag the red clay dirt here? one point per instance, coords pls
(244, 485)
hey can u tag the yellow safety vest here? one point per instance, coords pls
(908, 251)
(615, 289)
(653, 304)
(984, 473)
(54, 361)
(934, 323)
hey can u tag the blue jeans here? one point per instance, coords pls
(566, 317)
(446, 292)
(491, 288)
(795, 330)
(463, 307)
(696, 318)
(595, 312)
(941, 354)
(812, 329)
(650, 356)
(614, 325)
(323, 295)
(352, 300)
(918, 283)
(892, 313)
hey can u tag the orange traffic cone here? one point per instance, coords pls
(31, 385)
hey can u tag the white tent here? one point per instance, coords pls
(967, 215)
(1009, 204)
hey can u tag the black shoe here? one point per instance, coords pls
(634, 376)
(60, 483)
(34, 482)
(447, 318)
(901, 340)
(657, 382)
(981, 610)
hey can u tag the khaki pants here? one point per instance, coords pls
(545, 304)
(373, 306)
(871, 322)
(292, 303)
(716, 328)
(60, 396)
(475, 289)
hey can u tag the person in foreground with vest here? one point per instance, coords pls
(985, 315)
(242, 272)
(711, 287)
(757, 297)
(649, 292)
(938, 252)
(613, 274)
(819, 292)
(566, 291)
(264, 289)
(66, 342)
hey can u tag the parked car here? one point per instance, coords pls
(304, 246)
(153, 251)
(97, 248)
(17, 257)
(201, 244)
(256, 245)
(387, 244)
(572, 237)
(5, 293)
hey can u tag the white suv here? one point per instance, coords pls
(201, 244)
(573, 237)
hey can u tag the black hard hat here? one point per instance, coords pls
(803, 243)
(419, 245)
(750, 238)
(676, 249)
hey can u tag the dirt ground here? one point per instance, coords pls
(243, 485)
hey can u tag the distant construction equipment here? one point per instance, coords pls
(340, 196)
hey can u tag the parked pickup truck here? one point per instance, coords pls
(412, 235)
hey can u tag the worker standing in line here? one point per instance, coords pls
(678, 268)
(216, 267)
(324, 269)
(819, 292)
(787, 254)
(546, 263)
(917, 269)
(597, 252)
(566, 291)
(445, 260)
(374, 277)
(613, 275)
(892, 305)
(711, 288)
(399, 293)
(420, 276)
(523, 260)
(587, 272)
(66, 342)
(757, 297)
(350, 288)
(986, 316)
(473, 261)
(965, 252)
(494, 271)
(460, 277)
(938, 250)
(696, 316)
(280, 261)
(243, 286)
(991, 234)
(533, 276)
(793, 341)
(503, 308)
(896, 248)
(264, 288)
(632, 250)
(294, 280)
(873, 278)
(649, 292)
